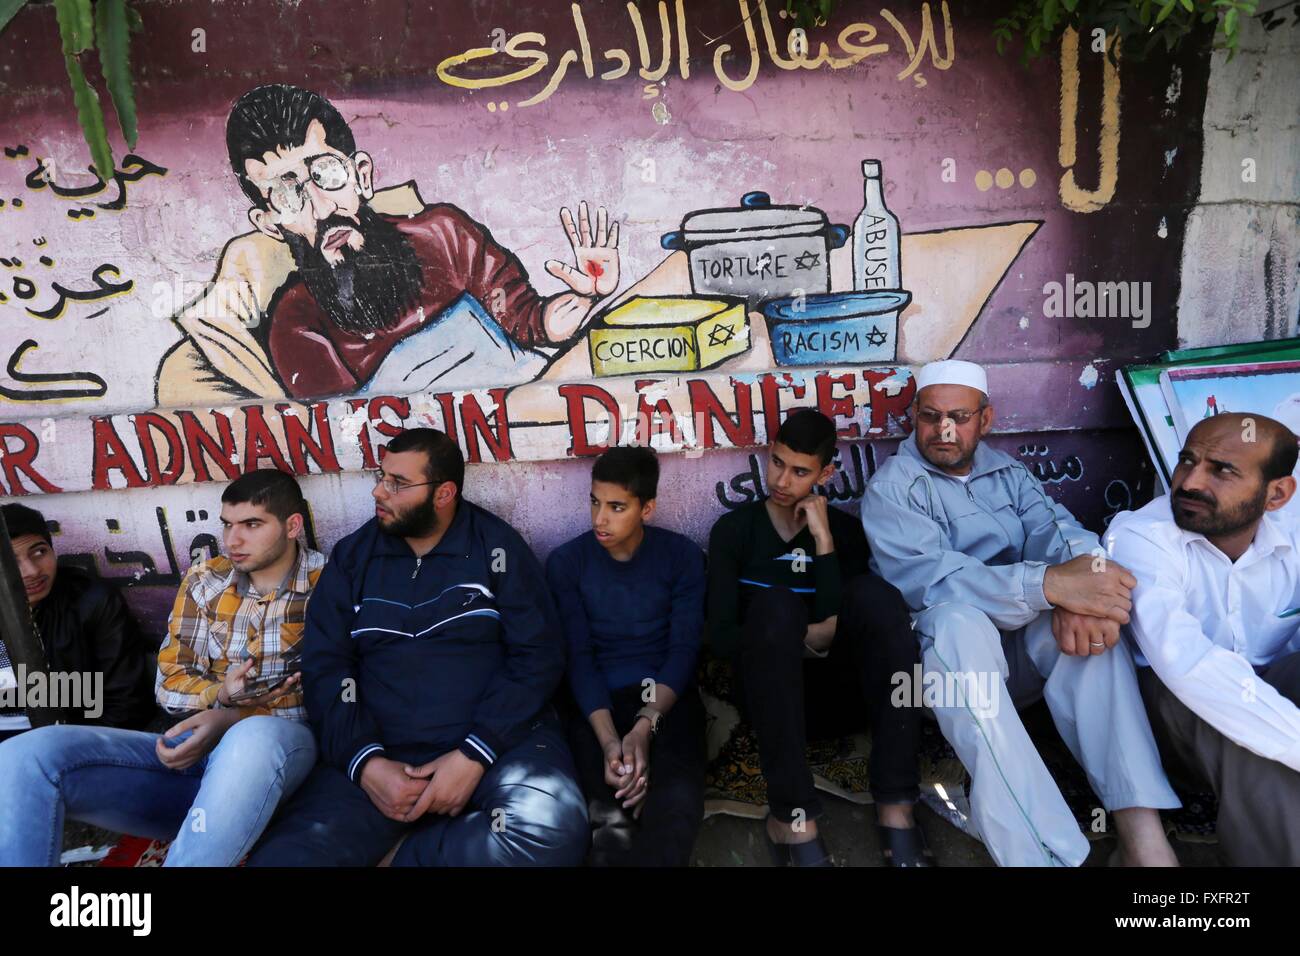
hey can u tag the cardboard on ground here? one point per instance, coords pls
(668, 334)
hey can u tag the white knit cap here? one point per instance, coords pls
(952, 372)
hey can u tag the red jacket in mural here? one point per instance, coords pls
(314, 357)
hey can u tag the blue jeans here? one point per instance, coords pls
(213, 811)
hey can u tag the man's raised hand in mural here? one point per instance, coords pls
(595, 252)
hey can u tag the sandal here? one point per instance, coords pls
(904, 847)
(812, 853)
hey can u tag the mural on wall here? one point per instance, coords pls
(346, 289)
(580, 225)
(364, 290)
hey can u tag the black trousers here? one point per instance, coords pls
(526, 811)
(790, 699)
(674, 805)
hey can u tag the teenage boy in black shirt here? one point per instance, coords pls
(815, 640)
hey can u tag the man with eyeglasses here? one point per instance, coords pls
(432, 652)
(392, 294)
(1005, 585)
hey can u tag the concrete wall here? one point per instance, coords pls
(1241, 260)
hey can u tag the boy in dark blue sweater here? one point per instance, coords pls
(631, 602)
(432, 650)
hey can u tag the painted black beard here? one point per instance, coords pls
(370, 290)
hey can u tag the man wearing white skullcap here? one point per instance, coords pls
(1007, 588)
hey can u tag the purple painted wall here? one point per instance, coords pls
(1103, 190)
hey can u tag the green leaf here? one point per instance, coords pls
(1049, 13)
(1188, 6)
(91, 118)
(137, 24)
(1070, 5)
(7, 10)
(76, 25)
(1167, 9)
(113, 39)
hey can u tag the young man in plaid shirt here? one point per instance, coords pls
(213, 781)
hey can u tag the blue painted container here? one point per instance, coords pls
(836, 327)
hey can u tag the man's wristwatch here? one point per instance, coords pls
(652, 715)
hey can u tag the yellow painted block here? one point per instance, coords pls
(664, 310)
(668, 335)
(723, 335)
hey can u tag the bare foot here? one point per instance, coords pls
(785, 833)
(1142, 839)
(899, 816)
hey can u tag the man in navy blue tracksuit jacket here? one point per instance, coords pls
(431, 652)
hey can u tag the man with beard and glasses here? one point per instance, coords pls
(389, 302)
(432, 653)
(1216, 618)
(1012, 596)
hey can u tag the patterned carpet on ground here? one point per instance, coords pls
(734, 781)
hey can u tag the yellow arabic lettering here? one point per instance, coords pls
(683, 44)
(583, 42)
(799, 59)
(1072, 196)
(739, 86)
(859, 53)
(791, 64)
(511, 49)
(644, 48)
(916, 52)
(618, 71)
(570, 56)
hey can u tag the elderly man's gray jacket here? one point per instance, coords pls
(985, 543)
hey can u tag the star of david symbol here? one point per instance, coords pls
(876, 337)
(807, 260)
(722, 334)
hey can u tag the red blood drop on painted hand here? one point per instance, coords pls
(594, 269)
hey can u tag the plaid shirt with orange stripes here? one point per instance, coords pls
(218, 621)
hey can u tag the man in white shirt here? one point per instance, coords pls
(1216, 617)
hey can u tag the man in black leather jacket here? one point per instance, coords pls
(85, 628)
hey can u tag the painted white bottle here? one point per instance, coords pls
(875, 238)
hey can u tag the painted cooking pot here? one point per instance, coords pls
(836, 328)
(758, 250)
